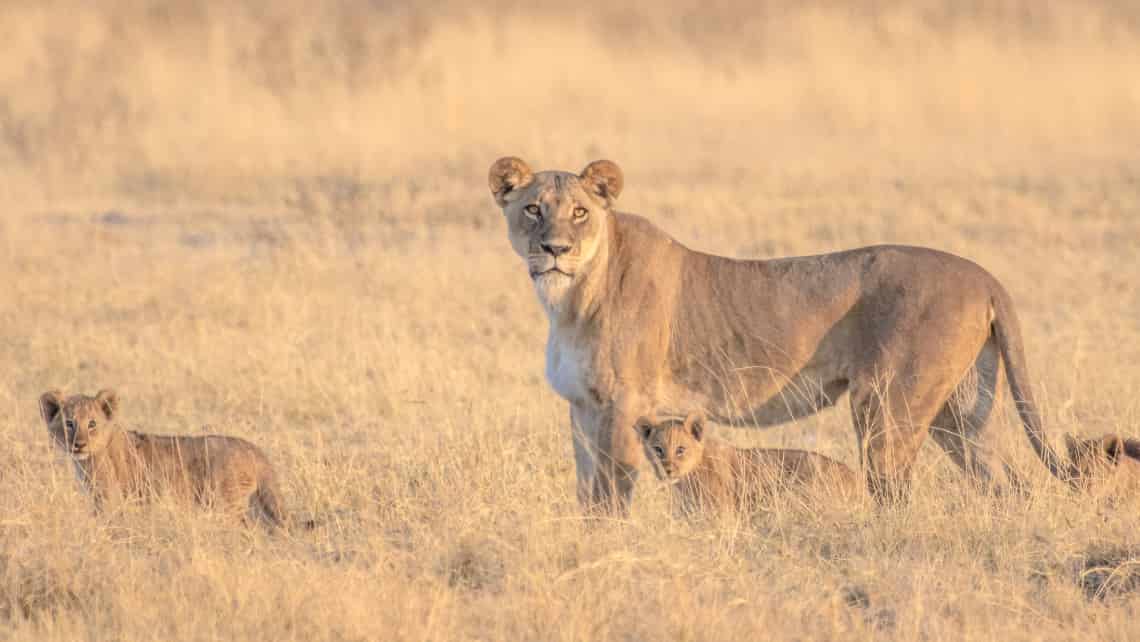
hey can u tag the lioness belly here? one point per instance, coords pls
(767, 404)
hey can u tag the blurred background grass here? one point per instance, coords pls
(198, 100)
(273, 219)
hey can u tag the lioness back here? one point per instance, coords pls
(116, 464)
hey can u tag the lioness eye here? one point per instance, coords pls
(533, 210)
(580, 213)
(659, 451)
(91, 425)
(70, 424)
(680, 451)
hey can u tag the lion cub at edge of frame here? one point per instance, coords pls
(710, 474)
(1107, 465)
(115, 464)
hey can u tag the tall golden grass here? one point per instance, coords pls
(273, 219)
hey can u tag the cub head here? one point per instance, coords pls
(1106, 456)
(673, 446)
(556, 221)
(80, 425)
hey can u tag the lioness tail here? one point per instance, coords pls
(1007, 331)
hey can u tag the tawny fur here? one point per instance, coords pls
(116, 464)
(707, 474)
(916, 337)
(1109, 464)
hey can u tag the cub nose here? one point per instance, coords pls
(555, 249)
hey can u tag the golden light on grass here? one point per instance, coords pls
(273, 220)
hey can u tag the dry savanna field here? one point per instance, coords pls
(272, 221)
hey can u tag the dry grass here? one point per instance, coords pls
(274, 221)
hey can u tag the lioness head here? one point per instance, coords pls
(1109, 457)
(673, 446)
(79, 425)
(556, 221)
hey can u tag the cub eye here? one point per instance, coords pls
(70, 424)
(533, 211)
(680, 451)
(580, 214)
(91, 425)
(659, 451)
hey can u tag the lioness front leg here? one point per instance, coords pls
(619, 457)
(583, 433)
(606, 457)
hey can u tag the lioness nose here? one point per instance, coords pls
(556, 249)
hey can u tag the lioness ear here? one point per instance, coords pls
(51, 402)
(604, 178)
(108, 402)
(644, 427)
(507, 175)
(696, 426)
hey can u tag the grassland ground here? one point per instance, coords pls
(277, 226)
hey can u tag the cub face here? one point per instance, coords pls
(79, 425)
(674, 447)
(556, 221)
(1106, 456)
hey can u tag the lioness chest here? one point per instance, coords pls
(569, 367)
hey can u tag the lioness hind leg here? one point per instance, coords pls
(959, 424)
(892, 416)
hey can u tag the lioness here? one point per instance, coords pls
(917, 337)
(1106, 464)
(709, 474)
(115, 464)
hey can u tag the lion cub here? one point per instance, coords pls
(710, 474)
(116, 464)
(1109, 463)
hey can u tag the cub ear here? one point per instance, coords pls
(696, 425)
(1132, 448)
(108, 401)
(1113, 447)
(51, 402)
(605, 179)
(644, 427)
(507, 175)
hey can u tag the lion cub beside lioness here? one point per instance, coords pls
(707, 474)
(116, 464)
(1109, 464)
